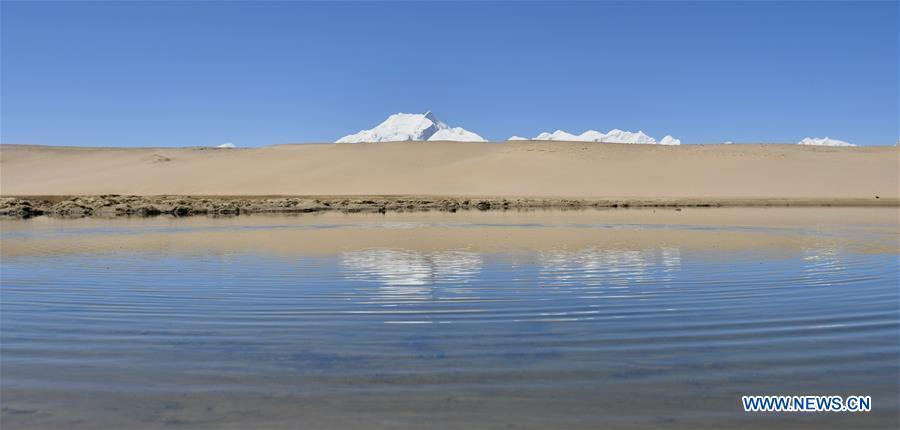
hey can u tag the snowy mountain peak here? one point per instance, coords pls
(823, 141)
(407, 126)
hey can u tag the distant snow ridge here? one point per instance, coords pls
(226, 145)
(669, 140)
(410, 126)
(517, 138)
(823, 141)
(613, 136)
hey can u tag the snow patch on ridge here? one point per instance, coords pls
(226, 145)
(416, 127)
(517, 138)
(823, 141)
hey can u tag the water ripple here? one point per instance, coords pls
(592, 321)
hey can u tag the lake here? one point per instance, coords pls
(548, 319)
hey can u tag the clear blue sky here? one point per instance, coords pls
(205, 73)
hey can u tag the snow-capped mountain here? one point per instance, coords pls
(613, 136)
(823, 141)
(410, 126)
(227, 145)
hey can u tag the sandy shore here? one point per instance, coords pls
(719, 229)
(440, 175)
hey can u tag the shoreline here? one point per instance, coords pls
(112, 205)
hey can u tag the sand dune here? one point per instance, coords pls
(547, 169)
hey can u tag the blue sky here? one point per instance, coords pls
(205, 73)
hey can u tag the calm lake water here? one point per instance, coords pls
(589, 319)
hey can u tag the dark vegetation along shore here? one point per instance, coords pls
(145, 206)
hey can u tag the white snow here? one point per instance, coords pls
(226, 145)
(613, 136)
(669, 140)
(410, 126)
(457, 134)
(621, 136)
(557, 135)
(517, 138)
(823, 141)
